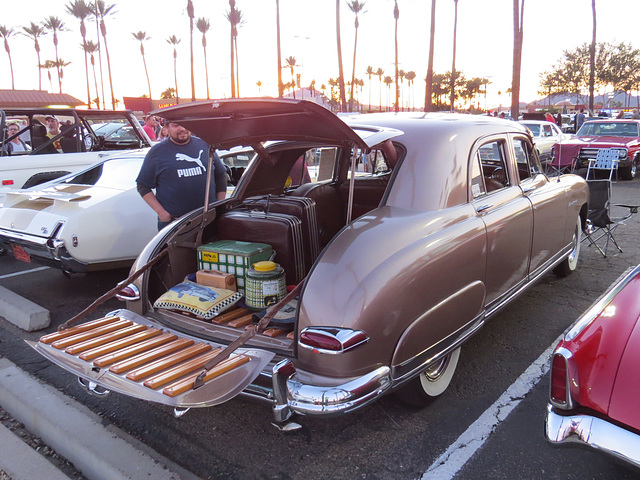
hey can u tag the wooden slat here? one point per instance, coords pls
(187, 383)
(154, 354)
(52, 337)
(274, 332)
(167, 362)
(134, 350)
(96, 332)
(241, 322)
(119, 344)
(230, 315)
(104, 339)
(180, 370)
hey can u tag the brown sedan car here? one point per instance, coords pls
(402, 234)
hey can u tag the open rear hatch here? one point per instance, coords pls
(131, 355)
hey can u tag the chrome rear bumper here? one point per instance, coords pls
(593, 432)
(292, 396)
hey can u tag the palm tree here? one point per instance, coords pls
(410, 76)
(280, 87)
(168, 93)
(343, 96)
(173, 40)
(518, 12)
(101, 11)
(203, 26)
(429, 79)
(234, 15)
(592, 56)
(379, 73)
(55, 25)
(388, 81)
(401, 75)
(91, 48)
(60, 64)
(356, 7)
(291, 63)
(191, 15)
(396, 15)
(80, 10)
(48, 65)
(453, 65)
(142, 37)
(6, 33)
(369, 74)
(35, 31)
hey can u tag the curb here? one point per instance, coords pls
(99, 452)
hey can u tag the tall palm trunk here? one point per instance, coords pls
(518, 16)
(206, 67)
(592, 57)
(453, 65)
(191, 15)
(396, 15)
(95, 79)
(83, 32)
(103, 29)
(97, 18)
(232, 6)
(280, 85)
(58, 67)
(343, 96)
(429, 88)
(175, 74)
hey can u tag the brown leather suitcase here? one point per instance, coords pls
(301, 207)
(283, 232)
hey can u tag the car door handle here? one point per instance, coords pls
(484, 208)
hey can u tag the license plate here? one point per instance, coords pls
(20, 254)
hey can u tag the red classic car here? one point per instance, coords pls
(594, 376)
(623, 135)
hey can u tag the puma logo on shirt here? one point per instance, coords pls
(190, 172)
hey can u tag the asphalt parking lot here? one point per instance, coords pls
(386, 440)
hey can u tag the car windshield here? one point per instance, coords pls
(616, 129)
(534, 127)
(117, 173)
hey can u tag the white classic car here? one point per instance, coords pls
(91, 220)
(60, 141)
(545, 136)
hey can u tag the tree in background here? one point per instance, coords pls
(35, 31)
(91, 48)
(279, 54)
(48, 65)
(291, 63)
(174, 41)
(55, 25)
(356, 7)
(379, 73)
(370, 73)
(142, 37)
(234, 15)
(592, 57)
(80, 10)
(396, 16)
(190, 13)
(518, 23)
(453, 64)
(101, 10)
(411, 76)
(343, 96)
(203, 26)
(6, 33)
(429, 80)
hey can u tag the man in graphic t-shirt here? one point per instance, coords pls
(177, 170)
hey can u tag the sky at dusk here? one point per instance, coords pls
(308, 33)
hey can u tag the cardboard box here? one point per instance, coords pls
(234, 257)
(217, 279)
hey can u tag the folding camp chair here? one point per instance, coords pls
(604, 165)
(601, 225)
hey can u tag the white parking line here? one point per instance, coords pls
(458, 454)
(15, 274)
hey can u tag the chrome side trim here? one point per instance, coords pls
(593, 432)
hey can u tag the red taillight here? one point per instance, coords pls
(332, 340)
(7, 182)
(560, 396)
(129, 293)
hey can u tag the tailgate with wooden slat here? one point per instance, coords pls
(130, 354)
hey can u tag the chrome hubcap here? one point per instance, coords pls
(437, 369)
